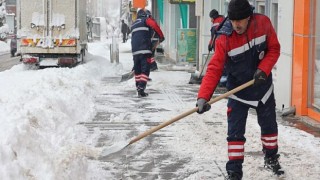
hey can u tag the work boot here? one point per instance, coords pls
(141, 93)
(273, 164)
(233, 176)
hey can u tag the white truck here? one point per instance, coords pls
(52, 32)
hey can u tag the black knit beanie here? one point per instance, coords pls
(214, 14)
(239, 9)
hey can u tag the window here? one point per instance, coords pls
(274, 16)
(314, 83)
(261, 7)
(11, 2)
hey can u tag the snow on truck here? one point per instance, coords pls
(52, 32)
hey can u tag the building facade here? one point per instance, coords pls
(305, 95)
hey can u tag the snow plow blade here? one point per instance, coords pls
(127, 76)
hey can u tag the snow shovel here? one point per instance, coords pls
(127, 76)
(111, 150)
(197, 78)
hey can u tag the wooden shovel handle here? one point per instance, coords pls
(227, 94)
(187, 113)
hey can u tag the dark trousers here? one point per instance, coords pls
(141, 70)
(124, 37)
(237, 117)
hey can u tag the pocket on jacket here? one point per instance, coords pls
(238, 64)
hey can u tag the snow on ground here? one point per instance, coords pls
(4, 47)
(40, 137)
(39, 110)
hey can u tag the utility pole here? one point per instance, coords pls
(120, 8)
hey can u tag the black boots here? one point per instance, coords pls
(141, 93)
(272, 163)
(233, 176)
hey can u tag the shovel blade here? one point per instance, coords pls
(195, 79)
(114, 149)
(127, 76)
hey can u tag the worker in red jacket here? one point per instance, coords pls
(248, 48)
(155, 42)
(216, 19)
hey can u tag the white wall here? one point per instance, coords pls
(172, 21)
(283, 69)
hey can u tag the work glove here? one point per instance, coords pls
(161, 40)
(210, 47)
(259, 77)
(203, 106)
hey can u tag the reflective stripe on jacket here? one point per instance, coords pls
(140, 39)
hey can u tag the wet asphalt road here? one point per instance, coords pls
(6, 61)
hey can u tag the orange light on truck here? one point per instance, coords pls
(68, 42)
(27, 42)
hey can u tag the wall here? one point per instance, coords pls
(171, 22)
(301, 56)
(283, 72)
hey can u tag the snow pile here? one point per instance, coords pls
(39, 113)
(4, 30)
(4, 47)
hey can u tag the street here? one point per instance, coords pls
(67, 112)
(6, 61)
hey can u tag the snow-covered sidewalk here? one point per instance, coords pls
(192, 148)
(56, 121)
